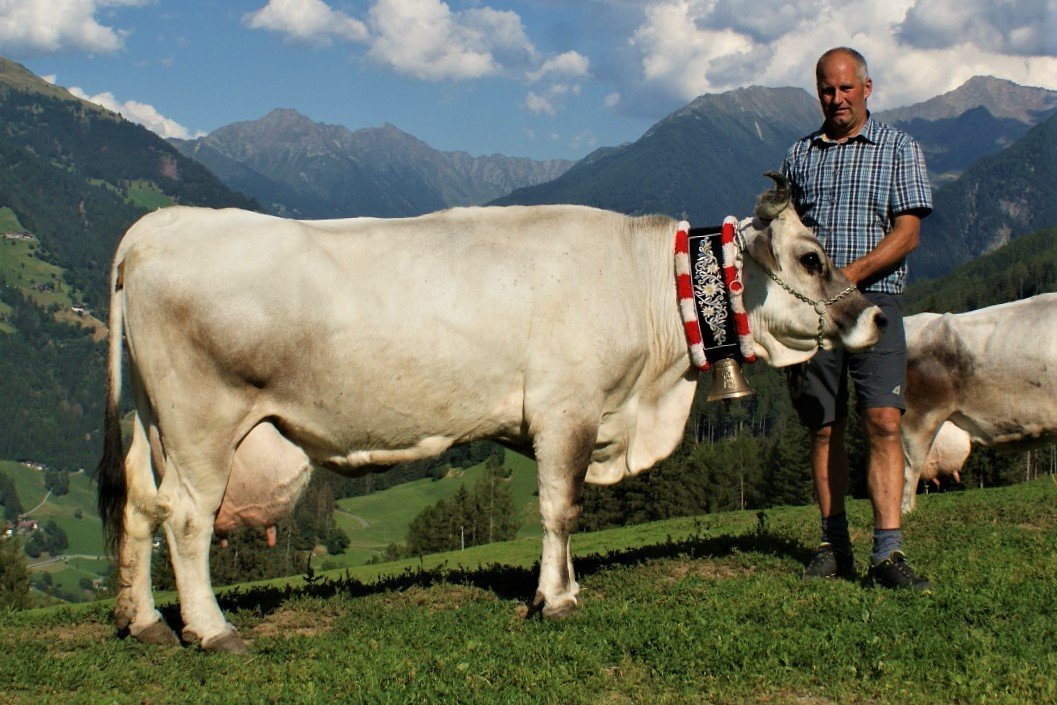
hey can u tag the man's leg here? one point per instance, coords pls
(885, 468)
(819, 392)
(880, 380)
(829, 469)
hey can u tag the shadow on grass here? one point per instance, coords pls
(507, 582)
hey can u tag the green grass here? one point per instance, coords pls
(9, 221)
(20, 267)
(672, 612)
(146, 194)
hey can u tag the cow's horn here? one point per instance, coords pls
(773, 202)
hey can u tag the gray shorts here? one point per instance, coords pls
(819, 387)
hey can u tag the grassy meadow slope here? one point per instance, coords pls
(377, 520)
(682, 611)
(75, 514)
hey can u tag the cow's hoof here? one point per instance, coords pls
(561, 610)
(226, 643)
(157, 634)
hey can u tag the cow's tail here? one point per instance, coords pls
(110, 474)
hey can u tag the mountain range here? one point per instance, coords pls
(980, 118)
(703, 162)
(299, 168)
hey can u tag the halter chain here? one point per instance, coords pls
(820, 305)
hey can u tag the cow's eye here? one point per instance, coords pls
(811, 262)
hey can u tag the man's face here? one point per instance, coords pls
(843, 96)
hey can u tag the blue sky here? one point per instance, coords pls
(536, 78)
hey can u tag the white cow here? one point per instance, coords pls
(361, 343)
(990, 372)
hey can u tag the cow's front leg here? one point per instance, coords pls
(561, 472)
(189, 531)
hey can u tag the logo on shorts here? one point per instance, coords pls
(898, 390)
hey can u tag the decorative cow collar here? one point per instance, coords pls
(710, 294)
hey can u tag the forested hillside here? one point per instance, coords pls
(1025, 267)
(73, 177)
(996, 200)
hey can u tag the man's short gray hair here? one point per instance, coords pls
(861, 70)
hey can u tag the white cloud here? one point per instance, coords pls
(550, 100)
(311, 22)
(611, 101)
(426, 40)
(429, 41)
(539, 104)
(916, 48)
(133, 111)
(29, 27)
(570, 63)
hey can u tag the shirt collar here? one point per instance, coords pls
(868, 133)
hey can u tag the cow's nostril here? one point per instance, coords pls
(880, 320)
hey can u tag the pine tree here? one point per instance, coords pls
(788, 466)
(9, 498)
(14, 576)
(466, 519)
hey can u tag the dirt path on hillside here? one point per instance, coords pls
(364, 524)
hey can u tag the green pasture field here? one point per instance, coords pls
(83, 558)
(20, 267)
(84, 533)
(377, 520)
(146, 194)
(683, 611)
(8, 220)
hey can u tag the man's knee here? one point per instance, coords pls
(882, 424)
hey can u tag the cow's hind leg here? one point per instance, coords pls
(191, 493)
(918, 437)
(562, 457)
(134, 607)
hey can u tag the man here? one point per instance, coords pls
(862, 187)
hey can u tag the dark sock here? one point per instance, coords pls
(835, 532)
(885, 541)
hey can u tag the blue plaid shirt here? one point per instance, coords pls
(850, 193)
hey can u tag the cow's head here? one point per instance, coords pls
(790, 282)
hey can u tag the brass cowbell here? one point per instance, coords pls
(728, 381)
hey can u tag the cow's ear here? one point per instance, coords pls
(761, 248)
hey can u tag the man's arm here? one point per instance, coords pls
(897, 244)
